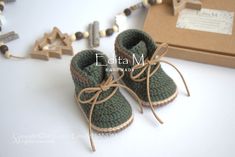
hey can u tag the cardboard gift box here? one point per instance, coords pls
(206, 36)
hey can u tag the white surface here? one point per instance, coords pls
(39, 117)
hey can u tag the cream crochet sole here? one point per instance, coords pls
(106, 130)
(161, 102)
(156, 103)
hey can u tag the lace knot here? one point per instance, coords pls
(104, 87)
(94, 100)
(151, 62)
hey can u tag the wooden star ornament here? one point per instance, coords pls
(54, 44)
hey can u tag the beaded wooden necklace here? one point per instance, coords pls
(55, 44)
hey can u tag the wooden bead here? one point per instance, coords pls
(146, 4)
(127, 12)
(2, 3)
(152, 2)
(115, 28)
(73, 37)
(159, 1)
(85, 34)
(79, 35)
(7, 55)
(3, 49)
(2, 20)
(102, 33)
(134, 7)
(109, 32)
(1, 7)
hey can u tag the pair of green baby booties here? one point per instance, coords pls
(139, 72)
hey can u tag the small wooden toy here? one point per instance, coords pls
(7, 37)
(90, 37)
(52, 45)
(178, 5)
(96, 35)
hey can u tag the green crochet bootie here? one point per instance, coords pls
(98, 95)
(143, 71)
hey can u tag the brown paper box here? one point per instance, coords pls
(205, 47)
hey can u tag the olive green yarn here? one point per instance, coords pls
(138, 42)
(85, 73)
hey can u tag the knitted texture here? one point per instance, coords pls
(85, 73)
(138, 43)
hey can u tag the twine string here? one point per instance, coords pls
(18, 57)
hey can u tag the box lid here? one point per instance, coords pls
(161, 25)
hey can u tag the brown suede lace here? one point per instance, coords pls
(104, 86)
(153, 61)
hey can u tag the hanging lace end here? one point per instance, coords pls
(188, 92)
(182, 77)
(158, 119)
(92, 144)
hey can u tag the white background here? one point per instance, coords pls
(39, 117)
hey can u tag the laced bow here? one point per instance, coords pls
(94, 100)
(146, 68)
